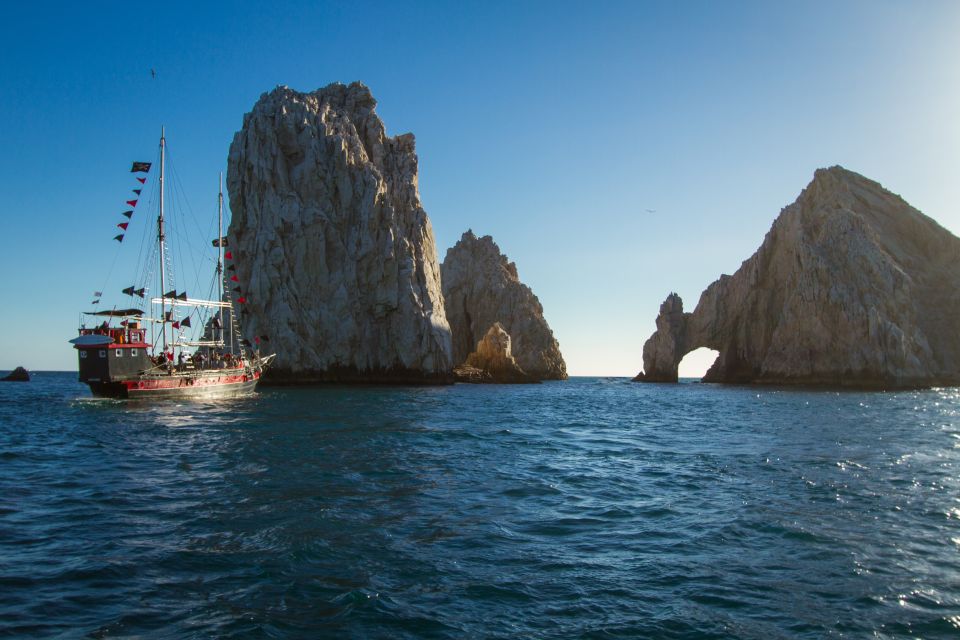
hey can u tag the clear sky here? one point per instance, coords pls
(553, 126)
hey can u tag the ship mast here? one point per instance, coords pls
(220, 256)
(161, 236)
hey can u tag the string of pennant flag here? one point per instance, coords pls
(136, 167)
(232, 268)
(241, 299)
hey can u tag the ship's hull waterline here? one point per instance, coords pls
(182, 387)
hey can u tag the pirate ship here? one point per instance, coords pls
(148, 350)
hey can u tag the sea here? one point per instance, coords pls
(591, 508)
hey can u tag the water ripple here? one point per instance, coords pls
(594, 508)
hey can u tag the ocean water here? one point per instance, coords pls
(594, 508)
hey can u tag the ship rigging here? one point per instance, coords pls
(116, 360)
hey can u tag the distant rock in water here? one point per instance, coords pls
(480, 288)
(851, 286)
(17, 375)
(333, 250)
(493, 361)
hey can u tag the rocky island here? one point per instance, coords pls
(335, 260)
(481, 288)
(851, 287)
(17, 375)
(334, 253)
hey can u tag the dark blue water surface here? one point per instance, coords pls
(592, 508)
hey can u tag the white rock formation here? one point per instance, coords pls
(851, 286)
(480, 288)
(334, 251)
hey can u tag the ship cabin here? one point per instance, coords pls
(108, 353)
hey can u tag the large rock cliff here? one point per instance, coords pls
(480, 288)
(851, 286)
(333, 250)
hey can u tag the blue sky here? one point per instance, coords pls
(552, 126)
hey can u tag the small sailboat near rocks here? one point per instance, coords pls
(135, 352)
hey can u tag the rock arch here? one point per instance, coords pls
(675, 337)
(851, 287)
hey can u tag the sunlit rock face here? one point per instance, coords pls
(851, 286)
(481, 287)
(493, 361)
(334, 252)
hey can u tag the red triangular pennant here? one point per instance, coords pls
(228, 255)
(235, 278)
(176, 325)
(142, 180)
(123, 225)
(132, 203)
(241, 300)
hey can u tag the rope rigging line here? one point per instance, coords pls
(181, 209)
(179, 206)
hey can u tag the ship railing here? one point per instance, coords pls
(191, 302)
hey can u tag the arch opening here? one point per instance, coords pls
(696, 363)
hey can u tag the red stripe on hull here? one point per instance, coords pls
(180, 387)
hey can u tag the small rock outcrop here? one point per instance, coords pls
(334, 254)
(481, 288)
(472, 375)
(493, 361)
(17, 375)
(851, 287)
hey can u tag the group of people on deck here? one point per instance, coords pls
(198, 361)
